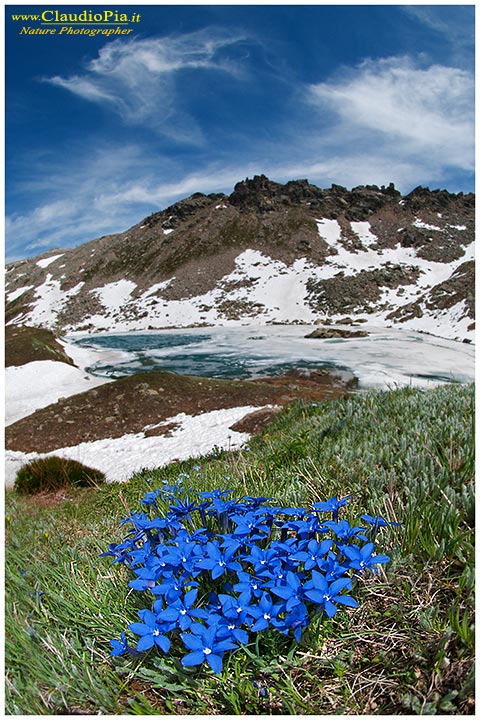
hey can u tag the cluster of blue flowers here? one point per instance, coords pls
(220, 569)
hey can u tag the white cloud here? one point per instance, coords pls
(403, 110)
(139, 79)
(382, 121)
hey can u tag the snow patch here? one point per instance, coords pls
(330, 231)
(50, 300)
(420, 224)
(364, 232)
(156, 288)
(114, 295)
(119, 458)
(18, 292)
(40, 383)
(47, 261)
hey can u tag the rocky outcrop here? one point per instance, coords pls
(325, 333)
(263, 195)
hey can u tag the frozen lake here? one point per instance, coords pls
(386, 358)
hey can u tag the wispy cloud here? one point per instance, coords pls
(455, 24)
(392, 119)
(403, 110)
(139, 79)
(104, 192)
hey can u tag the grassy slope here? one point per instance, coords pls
(407, 649)
(26, 344)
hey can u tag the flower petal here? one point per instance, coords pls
(193, 658)
(215, 662)
(192, 642)
(145, 643)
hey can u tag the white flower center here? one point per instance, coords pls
(207, 651)
(156, 633)
(266, 616)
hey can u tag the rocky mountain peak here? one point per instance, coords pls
(263, 195)
(422, 198)
(267, 253)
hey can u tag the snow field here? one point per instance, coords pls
(119, 458)
(41, 383)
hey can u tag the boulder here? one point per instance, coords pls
(334, 332)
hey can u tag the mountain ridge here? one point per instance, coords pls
(268, 252)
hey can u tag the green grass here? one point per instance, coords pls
(407, 649)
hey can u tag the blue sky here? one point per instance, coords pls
(102, 131)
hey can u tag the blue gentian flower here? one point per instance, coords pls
(314, 555)
(344, 531)
(233, 607)
(171, 587)
(217, 562)
(276, 573)
(148, 575)
(119, 646)
(256, 502)
(182, 508)
(376, 523)
(291, 591)
(248, 583)
(182, 611)
(250, 525)
(295, 620)
(182, 556)
(264, 612)
(150, 498)
(294, 512)
(260, 559)
(363, 558)
(231, 542)
(234, 615)
(118, 551)
(332, 568)
(205, 645)
(213, 494)
(229, 628)
(151, 632)
(332, 505)
(325, 594)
